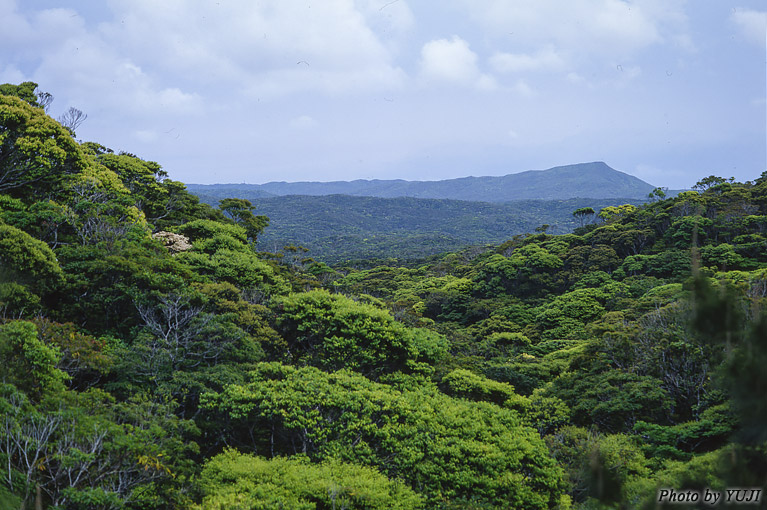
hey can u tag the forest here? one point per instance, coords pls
(369, 231)
(154, 358)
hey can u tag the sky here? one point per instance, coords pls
(235, 91)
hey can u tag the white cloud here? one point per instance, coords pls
(240, 42)
(752, 24)
(452, 61)
(546, 59)
(581, 27)
(449, 60)
(523, 89)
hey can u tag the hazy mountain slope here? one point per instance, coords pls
(341, 227)
(589, 180)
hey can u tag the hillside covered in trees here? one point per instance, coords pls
(343, 229)
(153, 358)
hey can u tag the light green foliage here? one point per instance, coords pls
(221, 252)
(45, 220)
(527, 270)
(24, 259)
(722, 322)
(532, 258)
(26, 91)
(668, 264)
(333, 332)
(235, 481)
(441, 376)
(35, 148)
(583, 260)
(567, 314)
(537, 364)
(215, 234)
(732, 466)
(539, 411)
(611, 213)
(445, 297)
(444, 448)
(39, 157)
(617, 463)
(503, 345)
(722, 257)
(583, 213)
(147, 183)
(27, 362)
(466, 384)
(16, 301)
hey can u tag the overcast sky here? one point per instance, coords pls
(269, 90)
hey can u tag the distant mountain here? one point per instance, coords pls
(584, 180)
(343, 228)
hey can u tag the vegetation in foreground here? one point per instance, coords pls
(152, 358)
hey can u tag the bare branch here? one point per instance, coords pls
(72, 118)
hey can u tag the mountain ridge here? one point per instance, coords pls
(580, 180)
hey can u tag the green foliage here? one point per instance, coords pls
(582, 213)
(214, 235)
(26, 260)
(233, 480)
(28, 363)
(466, 384)
(602, 469)
(17, 302)
(25, 91)
(720, 318)
(241, 211)
(369, 231)
(333, 332)
(84, 448)
(160, 199)
(677, 442)
(103, 283)
(446, 449)
(422, 386)
(83, 357)
(614, 400)
(34, 149)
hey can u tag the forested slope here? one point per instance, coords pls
(152, 357)
(341, 229)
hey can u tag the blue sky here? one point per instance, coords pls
(255, 91)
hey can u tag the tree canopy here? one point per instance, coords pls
(154, 358)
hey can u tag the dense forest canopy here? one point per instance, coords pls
(152, 357)
(342, 229)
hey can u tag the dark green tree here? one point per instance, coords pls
(241, 211)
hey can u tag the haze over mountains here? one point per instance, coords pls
(348, 221)
(584, 180)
